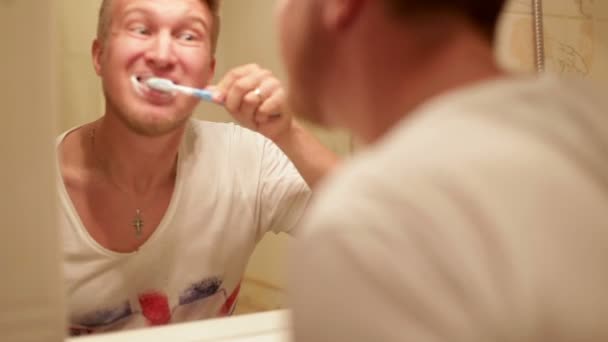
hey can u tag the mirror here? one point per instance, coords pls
(247, 36)
(574, 40)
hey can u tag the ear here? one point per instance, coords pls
(339, 14)
(96, 54)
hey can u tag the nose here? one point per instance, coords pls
(161, 54)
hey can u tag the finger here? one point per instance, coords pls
(216, 94)
(220, 88)
(272, 104)
(250, 103)
(271, 108)
(234, 74)
(240, 97)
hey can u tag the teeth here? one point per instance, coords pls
(141, 87)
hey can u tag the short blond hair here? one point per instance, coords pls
(105, 20)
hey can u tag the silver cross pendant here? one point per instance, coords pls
(138, 223)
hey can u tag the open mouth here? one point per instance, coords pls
(141, 88)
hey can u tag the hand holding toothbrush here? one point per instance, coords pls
(256, 99)
(252, 95)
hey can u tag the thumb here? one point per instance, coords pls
(218, 96)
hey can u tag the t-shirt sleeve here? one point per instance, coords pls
(283, 194)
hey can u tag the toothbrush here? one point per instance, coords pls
(162, 84)
(165, 85)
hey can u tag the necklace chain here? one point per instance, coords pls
(138, 222)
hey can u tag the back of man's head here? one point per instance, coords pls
(483, 14)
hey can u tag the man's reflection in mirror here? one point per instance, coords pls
(161, 212)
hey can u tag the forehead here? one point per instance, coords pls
(163, 8)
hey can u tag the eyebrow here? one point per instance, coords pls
(142, 11)
(198, 20)
(135, 10)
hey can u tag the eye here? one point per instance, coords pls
(188, 36)
(141, 30)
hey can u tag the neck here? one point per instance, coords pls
(401, 79)
(134, 163)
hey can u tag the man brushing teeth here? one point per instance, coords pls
(140, 86)
(161, 212)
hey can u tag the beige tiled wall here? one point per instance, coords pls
(575, 37)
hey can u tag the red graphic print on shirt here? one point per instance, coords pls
(229, 304)
(155, 307)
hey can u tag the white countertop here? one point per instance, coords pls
(272, 326)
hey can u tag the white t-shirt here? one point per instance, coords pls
(482, 217)
(232, 186)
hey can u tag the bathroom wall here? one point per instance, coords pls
(81, 96)
(576, 36)
(31, 286)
